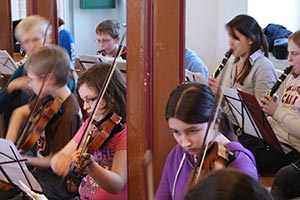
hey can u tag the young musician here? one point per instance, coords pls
(106, 171)
(250, 71)
(32, 32)
(47, 70)
(108, 38)
(285, 120)
(188, 111)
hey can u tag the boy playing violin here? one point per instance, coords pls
(47, 70)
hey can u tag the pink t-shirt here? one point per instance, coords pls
(89, 189)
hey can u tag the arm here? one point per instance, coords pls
(60, 162)
(5, 96)
(112, 180)
(264, 78)
(16, 120)
(289, 120)
(38, 161)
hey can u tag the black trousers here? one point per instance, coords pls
(268, 159)
(286, 184)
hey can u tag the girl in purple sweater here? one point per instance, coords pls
(188, 110)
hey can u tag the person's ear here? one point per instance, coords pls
(251, 40)
(117, 39)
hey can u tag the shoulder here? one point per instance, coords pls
(70, 108)
(257, 59)
(244, 159)
(18, 72)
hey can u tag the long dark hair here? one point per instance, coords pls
(249, 27)
(193, 103)
(115, 95)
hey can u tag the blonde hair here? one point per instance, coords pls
(35, 23)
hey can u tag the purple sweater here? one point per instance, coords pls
(180, 163)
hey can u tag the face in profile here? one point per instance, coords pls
(89, 97)
(294, 56)
(240, 44)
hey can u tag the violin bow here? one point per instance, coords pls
(103, 90)
(212, 120)
(37, 100)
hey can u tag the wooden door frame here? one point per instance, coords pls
(6, 33)
(155, 65)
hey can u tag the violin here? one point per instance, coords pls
(37, 123)
(217, 157)
(97, 135)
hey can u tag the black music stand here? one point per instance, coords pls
(13, 170)
(250, 117)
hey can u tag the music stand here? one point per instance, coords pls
(13, 169)
(87, 61)
(7, 64)
(250, 117)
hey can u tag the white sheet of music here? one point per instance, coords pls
(90, 60)
(7, 64)
(14, 168)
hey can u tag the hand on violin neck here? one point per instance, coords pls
(82, 161)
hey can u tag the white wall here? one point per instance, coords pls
(205, 22)
(283, 12)
(205, 27)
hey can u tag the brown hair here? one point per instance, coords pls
(110, 27)
(115, 95)
(228, 184)
(50, 59)
(295, 37)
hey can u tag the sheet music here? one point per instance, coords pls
(14, 168)
(89, 60)
(7, 64)
(240, 113)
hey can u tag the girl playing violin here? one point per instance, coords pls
(106, 171)
(188, 111)
(49, 64)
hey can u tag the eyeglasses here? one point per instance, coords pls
(32, 40)
(90, 100)
(103, 41)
